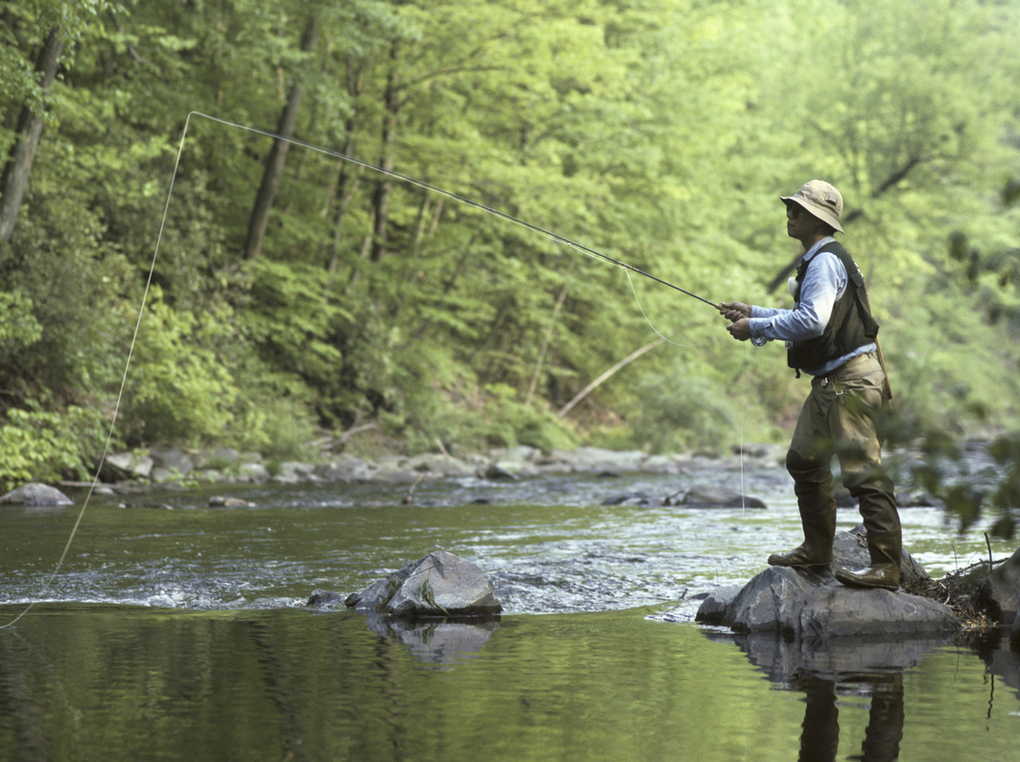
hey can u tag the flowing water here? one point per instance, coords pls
(179, 631)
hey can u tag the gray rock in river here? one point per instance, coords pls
(168, 462)
(704, 496)
(440, 584)
(35, 494)
(323, 598)
(810, 604)
(1001, 590)
(128, 465)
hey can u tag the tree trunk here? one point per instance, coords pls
(381, 197)
(598, 381)
(347, 181)
(14, 179)
(277, 155)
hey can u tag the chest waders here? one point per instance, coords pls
(838, 419)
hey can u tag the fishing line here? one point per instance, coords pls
(743, 414)
(120, 393)
(352, 160)
(654, 329)
(448, 194)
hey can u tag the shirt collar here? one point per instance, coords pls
(817, 245)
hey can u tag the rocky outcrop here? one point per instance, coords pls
(438, 585)
(35, 494)
(811, 604)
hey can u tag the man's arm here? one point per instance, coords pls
(824, 283)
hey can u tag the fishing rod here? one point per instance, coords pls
(454, 196)
(343, 157)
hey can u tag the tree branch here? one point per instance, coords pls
(598, 381)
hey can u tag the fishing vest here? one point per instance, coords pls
(850, 326)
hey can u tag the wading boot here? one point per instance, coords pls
(884, 572)
(802, 555)
(816, 550)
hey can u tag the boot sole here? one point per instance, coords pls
(799, 564)
(851, 581)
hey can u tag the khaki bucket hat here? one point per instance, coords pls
(821, 199)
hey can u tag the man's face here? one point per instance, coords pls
(800, 223)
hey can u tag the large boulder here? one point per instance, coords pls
(1001, 590)
(1014, 634)
(35, 494)
(438, 585)
(812, 604)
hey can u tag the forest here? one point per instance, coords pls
(271, 226)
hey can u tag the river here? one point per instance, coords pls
(175, 630)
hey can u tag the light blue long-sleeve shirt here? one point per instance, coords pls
(824, 284)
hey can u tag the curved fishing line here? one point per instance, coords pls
(654, 329)
(352, 160)
(120, 393)
(743, 415)
(451, 195)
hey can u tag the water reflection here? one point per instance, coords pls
(440, 642)
(819, 740)
(843, 672)
(1001, 662)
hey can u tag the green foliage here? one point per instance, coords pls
(178, 390)
(20, 329)
(646, 132)
(291, 320)
(682, 409)
(287, 427)
(48, 446)
(506, 422)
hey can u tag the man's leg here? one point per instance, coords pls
(860, 457)
(808, 462)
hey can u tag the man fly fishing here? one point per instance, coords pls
(831, 335)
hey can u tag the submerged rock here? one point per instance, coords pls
(440, 584)
(718, 497)
(34, 493)
(323, 598)
(810, 603)
(225, 501)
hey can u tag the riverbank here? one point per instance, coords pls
(131, 470)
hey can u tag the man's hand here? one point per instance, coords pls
(740, 316)
(733, 311)
(741, 329)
